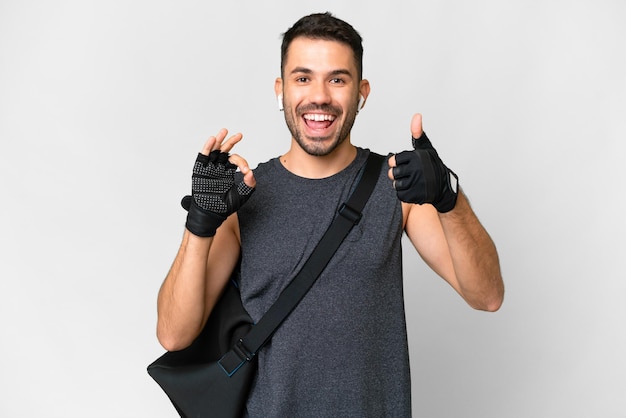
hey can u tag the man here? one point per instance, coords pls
(343, 351)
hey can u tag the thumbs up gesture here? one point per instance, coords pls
(419, 176)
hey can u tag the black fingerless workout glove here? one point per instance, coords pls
(214, 194)
(421, 177)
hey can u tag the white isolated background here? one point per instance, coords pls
(103, 106)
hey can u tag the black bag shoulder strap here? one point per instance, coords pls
(348, 215)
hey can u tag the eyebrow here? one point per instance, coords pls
(304, 70)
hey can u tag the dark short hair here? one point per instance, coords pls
(327, 27)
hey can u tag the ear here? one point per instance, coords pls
(364, 91)
(278, 90)
(278, 86)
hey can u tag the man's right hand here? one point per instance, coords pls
(214, 194)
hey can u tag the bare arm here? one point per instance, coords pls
(194, 283)
(457, 247)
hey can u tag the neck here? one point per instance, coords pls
(303, 164)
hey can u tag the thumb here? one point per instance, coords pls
(416, 126)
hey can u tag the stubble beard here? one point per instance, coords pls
(319, 146)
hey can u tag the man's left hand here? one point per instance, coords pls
(419, 176)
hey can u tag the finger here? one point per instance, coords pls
(214, 142)
(390, 174)
(249, 179)
(242, 165)
(240, 162)
(230, 142)
(416, 126)
(217, 142)
(220, 137)
(401, 184)
(392, 163)
(208, 146)
(403, 157)
(401, 171)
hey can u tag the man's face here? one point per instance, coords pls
(320, 88)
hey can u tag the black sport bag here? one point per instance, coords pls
(194, 378)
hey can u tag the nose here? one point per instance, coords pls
(320, 94)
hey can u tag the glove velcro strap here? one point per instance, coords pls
(202, 223)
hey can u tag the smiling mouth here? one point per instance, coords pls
(318, 120)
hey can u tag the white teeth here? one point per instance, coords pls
(319, 118)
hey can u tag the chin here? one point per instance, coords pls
(319, 147)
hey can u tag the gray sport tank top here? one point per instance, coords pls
(343, 351)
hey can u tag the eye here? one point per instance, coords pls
(301, 79)
(337, 80)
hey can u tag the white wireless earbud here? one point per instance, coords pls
(360, 105)
(279, 98)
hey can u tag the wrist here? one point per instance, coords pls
(202, 223)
